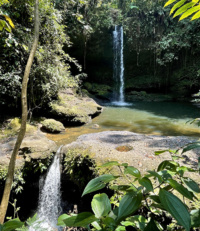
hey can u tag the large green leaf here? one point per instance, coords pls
(61, 218)
(177, 5)
(169, 2)
(151, 226)
(129, 204)
(80, 220)
(146, 183)
(189, 12)
(180, 188)
(184, 8)
(1, 227)
(132, 171)
(168, 164)
(98, 183)
(176, 208)
(12, 225)
(191, 146)
(195, 218)
(191, 185)
(197, 15)
(101, 205)
(155, 174)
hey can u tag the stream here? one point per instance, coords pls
(155, 118)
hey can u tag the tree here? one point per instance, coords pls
(11, 168)
(185, 8)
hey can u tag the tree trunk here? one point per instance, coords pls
(11, 167)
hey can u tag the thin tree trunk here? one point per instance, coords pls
(11, 167)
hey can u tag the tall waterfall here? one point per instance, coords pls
(118, 64)
(49, 200)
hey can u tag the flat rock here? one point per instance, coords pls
(34, 146)
(104, 146)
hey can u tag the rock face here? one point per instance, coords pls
(71, 110)
(52, 126)
(35, 146)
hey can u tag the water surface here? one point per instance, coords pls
(157, 118)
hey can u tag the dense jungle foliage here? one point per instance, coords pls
(161, 54)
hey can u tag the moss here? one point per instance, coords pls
(12, 127)
(79, 166)
(71, 109)
(52, 126)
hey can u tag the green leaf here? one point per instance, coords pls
(176, 208)
(191, 185)
(197, 15)
(61, 218)
(180, 188)
(160, 152)
(12, 225)
(151, 226)
(155, 198)
(80, 220)
(110, 164)
(98, 183)
(189, 12)
(1, 227)
(169, 2)
(146, 183)
(177, 5)
(184, 8)
(191, 146)
(96, 225)
(168, 164)
(155, 174)
(110, 222)
(129, 204)
(132, 171)
(101, 205)
(195, 218)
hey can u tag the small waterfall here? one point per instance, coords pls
(118, 64)
(49, 201)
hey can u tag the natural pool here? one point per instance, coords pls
(157, 118)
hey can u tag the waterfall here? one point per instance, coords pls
(49, 200)
(118, 64)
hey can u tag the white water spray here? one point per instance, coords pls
(49, 201)
(118, 64)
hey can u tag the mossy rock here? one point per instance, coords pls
(52, 126)
(73, 110)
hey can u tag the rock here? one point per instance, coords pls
(112, 146)
(35, 146)
(95, 126)
(52, 126)
(71, 110)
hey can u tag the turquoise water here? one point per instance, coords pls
(155, 118)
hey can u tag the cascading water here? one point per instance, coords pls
(118, 63)
(49, 201)
(118, 66)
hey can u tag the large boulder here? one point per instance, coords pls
(72, 110)
(52, 126)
